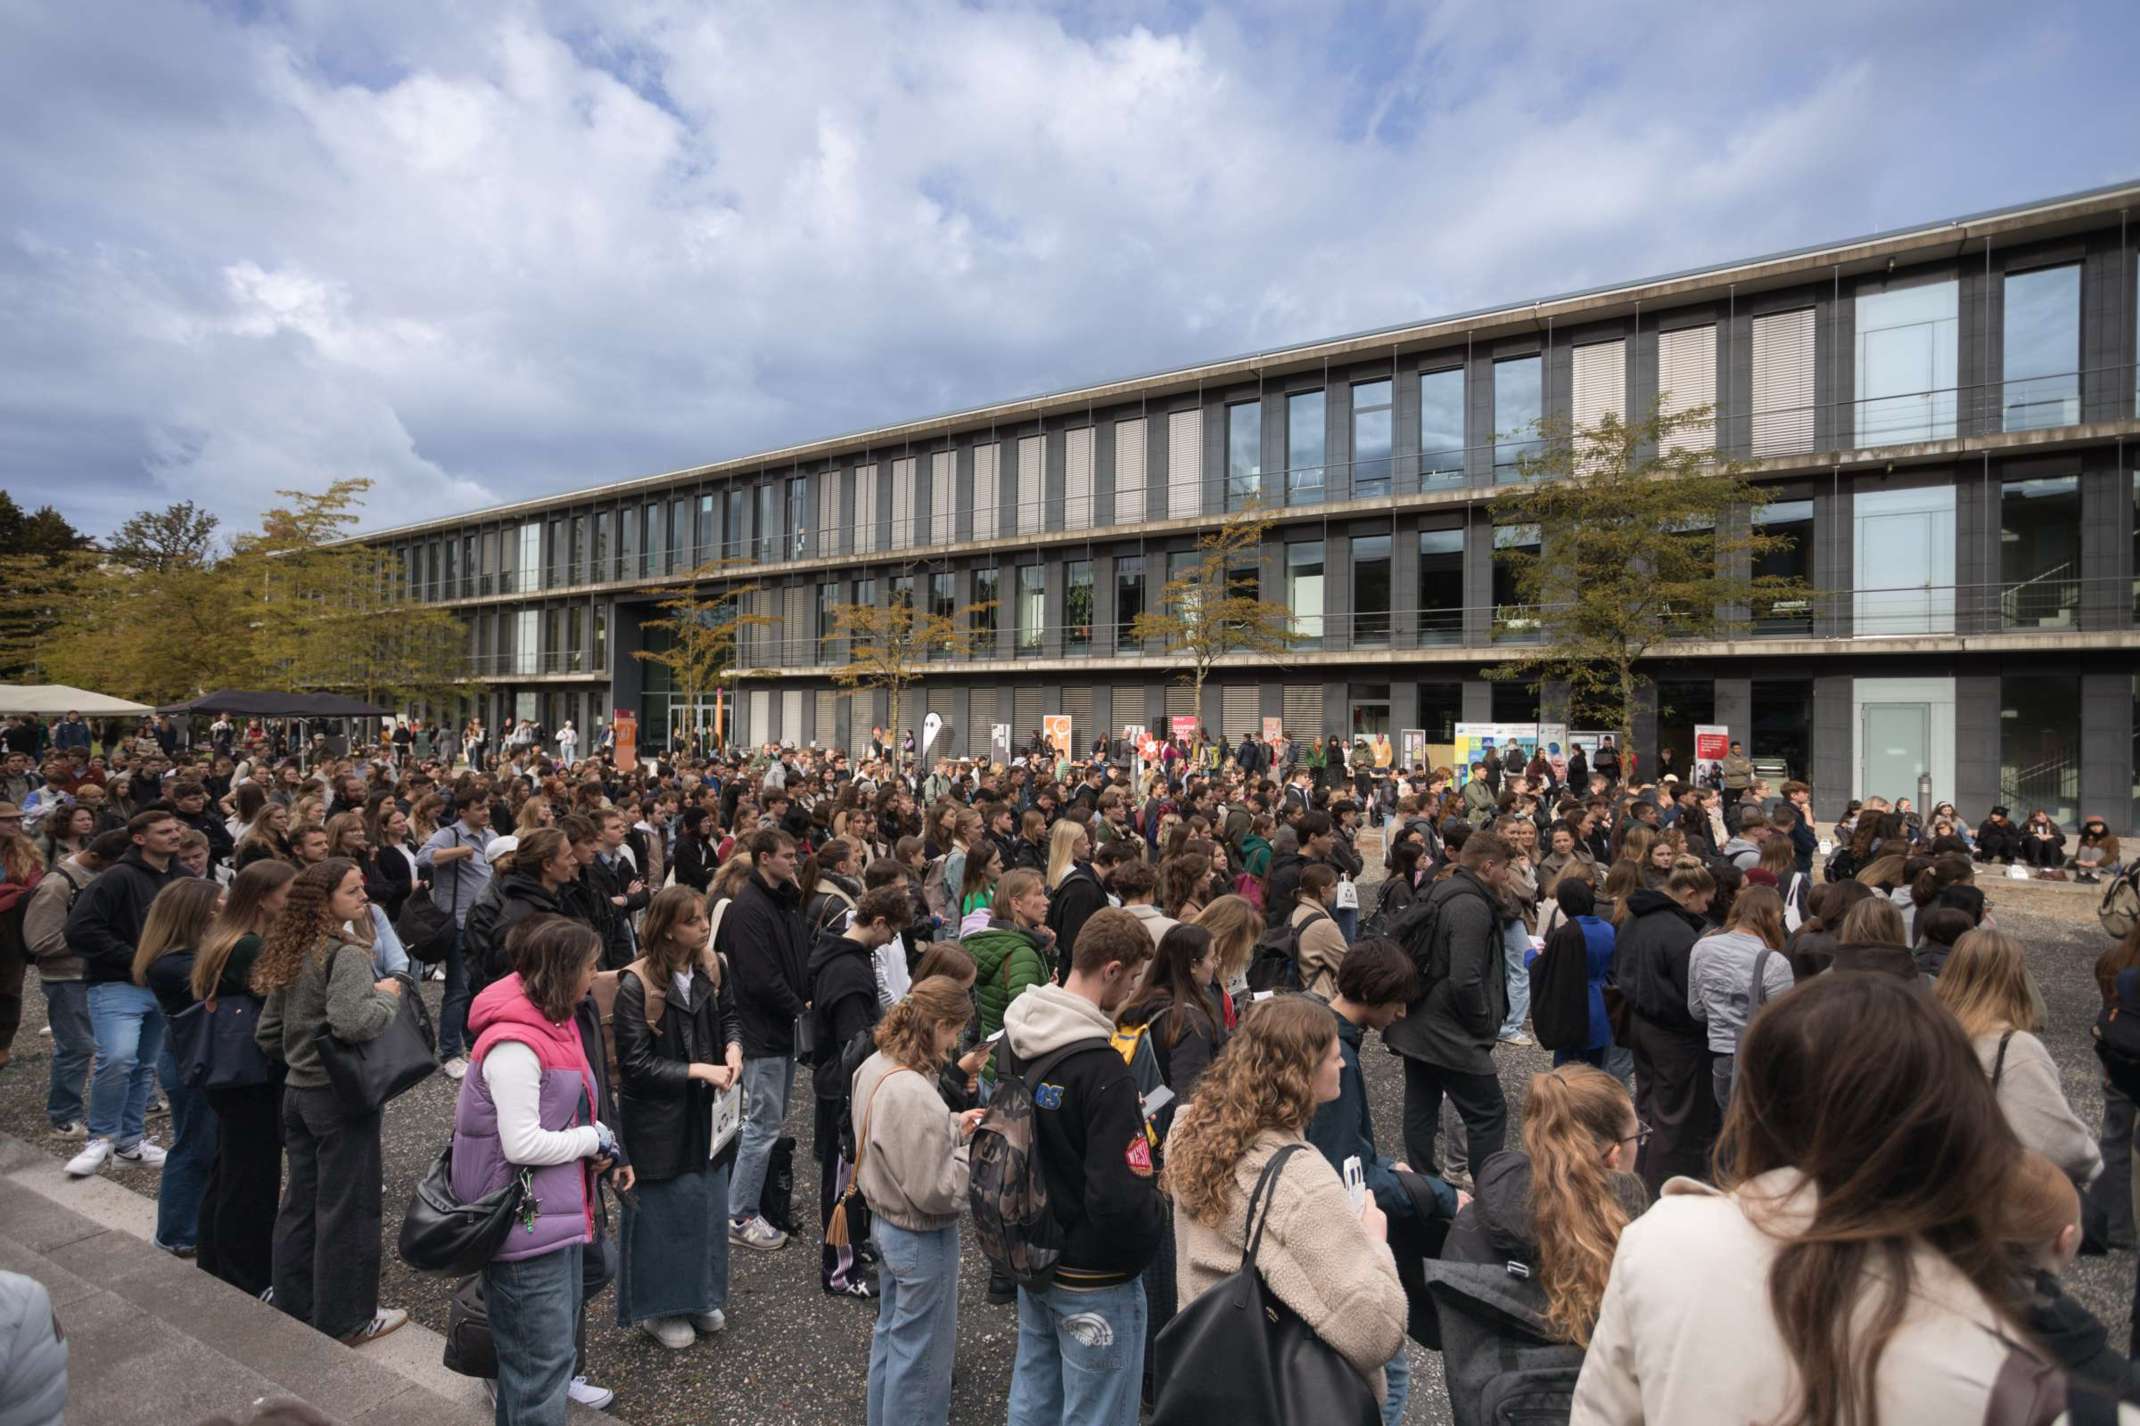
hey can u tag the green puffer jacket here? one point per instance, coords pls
(1006, 960)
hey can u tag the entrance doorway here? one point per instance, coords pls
(1370, 712)
(1680, 705)
(1905, 730)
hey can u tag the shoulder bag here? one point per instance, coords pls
(366, 1074)
(1238, 1354)
(838, 1230)
(212, 1041)
(441, 1234)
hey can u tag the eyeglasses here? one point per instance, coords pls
(1641, 1135)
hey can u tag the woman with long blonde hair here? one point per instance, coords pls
(178, 923)
(1986, 986)
(1074, 892)
(1557, 1207)
(1235, 925)
(1327, 1261)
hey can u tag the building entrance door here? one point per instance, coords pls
(1894, 749)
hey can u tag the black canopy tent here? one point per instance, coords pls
(270, 704)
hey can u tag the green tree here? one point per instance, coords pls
(180, 536)
(706, 632)
(1646, 537)
(1211, 611)
(889, 646)
(45, 565)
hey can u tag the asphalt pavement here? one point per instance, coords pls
(792, 1356)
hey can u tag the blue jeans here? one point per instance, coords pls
(1080, 1357)
(190, 1159)
(1514, 942)
(1348, 920)
(74, 1045)
(534, 1316)
(1398, 1376)
(917, 1326)
(768, 1082)
(129, 1031)
(453, 1009)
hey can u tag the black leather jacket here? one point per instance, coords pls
(667, 1115)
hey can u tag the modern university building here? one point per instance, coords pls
(1945, 415)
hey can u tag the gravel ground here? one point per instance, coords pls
(792, 1355)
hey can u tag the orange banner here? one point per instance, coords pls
(626, 726)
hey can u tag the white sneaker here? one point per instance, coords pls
(387, 1319)
(1519, 1039)
(456, 1068)
(143, 1155)
(710, 1322)
(755, 1232)
(587, 1394)
(90, 1159)
(672, 1332)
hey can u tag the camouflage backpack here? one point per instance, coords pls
(1004, 1183)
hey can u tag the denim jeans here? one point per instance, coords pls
(1080, 1357)
(1398, 1377)
(129, 1031)
(453, 1009)
(534, 1309)
(768, 1081)
(191, 1158)
(1514, 942)
(917, 1326)
(1348, 921)
(2112, 1193)
(74, 1045)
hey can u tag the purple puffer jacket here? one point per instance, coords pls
(563, 1207)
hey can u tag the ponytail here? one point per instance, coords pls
(1572, 1117)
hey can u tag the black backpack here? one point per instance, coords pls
(1418, 929)
(1018, 1231)
(1275, 966)
(1560, 990)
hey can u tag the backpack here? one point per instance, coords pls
(935, 894)
(1419, 927)
(1560, 990)
(1249, 887)
(1795, 895)
(1842, 866)
(2119, 910)
(1276, 962)
(1018, 1231)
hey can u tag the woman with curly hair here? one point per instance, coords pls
(314, 971)
(1323, 1258)
(1557, 1207)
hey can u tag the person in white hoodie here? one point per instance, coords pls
(1729, 977)
(1852, 1264)
(911, 1171)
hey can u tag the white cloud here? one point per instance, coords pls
(478, 254)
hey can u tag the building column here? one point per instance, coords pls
(2107, 749)
(1834, 745)
(1734, 704)
(1478, 701)
(1976, 743)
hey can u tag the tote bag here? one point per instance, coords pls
(212, 1041)
(366, 1074)
(1239, 1355)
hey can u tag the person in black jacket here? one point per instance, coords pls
(102, 927)
(843, 1012)
(540, 867)
(694, 865)
(1672, 1060)
(610, 876)
(1998, 839)
(1081, 1339)
(762, 935)
(1283, 883)
(676, 1055)
(189, 800)
(1074, 892)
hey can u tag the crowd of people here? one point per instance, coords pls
(1147, 986)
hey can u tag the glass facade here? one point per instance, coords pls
(1907, 364)
(1441, 586)
(1304, 590)
(1372, 434)
(1519, 406)
(798, 516)
(1032, 607)
(1129, 602)
(1514, 621)
(1077, 606)
(2040, 553)
(1786, 520)
(733, 534)
(1244, 455)
(2042, 350)
(2040, 747)
(985, 595)
(765, 548)
(1441, 428)
(1306, 448)
(1371, 591)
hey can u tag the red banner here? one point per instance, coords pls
(626, 726)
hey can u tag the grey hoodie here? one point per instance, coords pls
(1720, 982)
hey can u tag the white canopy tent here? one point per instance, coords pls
(52, 698)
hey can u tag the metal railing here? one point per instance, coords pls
(2053, 784)
(1832, 429)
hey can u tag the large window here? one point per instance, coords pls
(1129, 601)
(1371, 438)
(1032, 607)
(576, 568)
(1305, 448)
(1304, 590)
(985, 593)
(798, 515)
(767, 543)
(527, 570)
(828, 599)
(1370, 591)
(2040, 552)
(600, 548)
(650, 539)
(2043, 349)
(1907, 363)
(1514, 621)
(575, 637)
(1441, 586)
(1441, 708)
(943, 603)
(1441, 428)
(600, 624)
(1903, 550)
(705, 540)
(733, 532)
(1786, 520)
(1244, 454)
(1077, 606)
(1783, 361)
(1519, 406)
(2040, 746)
(527, 641)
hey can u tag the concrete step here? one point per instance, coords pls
(154, 1341)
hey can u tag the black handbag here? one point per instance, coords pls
(425, 931)
(441, 1234)
(470, 1349)
(1239, 1355)
(368, 1073)
(212, 1041)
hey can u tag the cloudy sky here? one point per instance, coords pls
(479, 252)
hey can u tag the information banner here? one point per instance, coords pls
(1475, 741)
(999, 742)
(1273, 729)
(1055, 727)
(1414, 743)
(1553, 742)
(1184, 726)
(1712, 744)
(625, 723)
